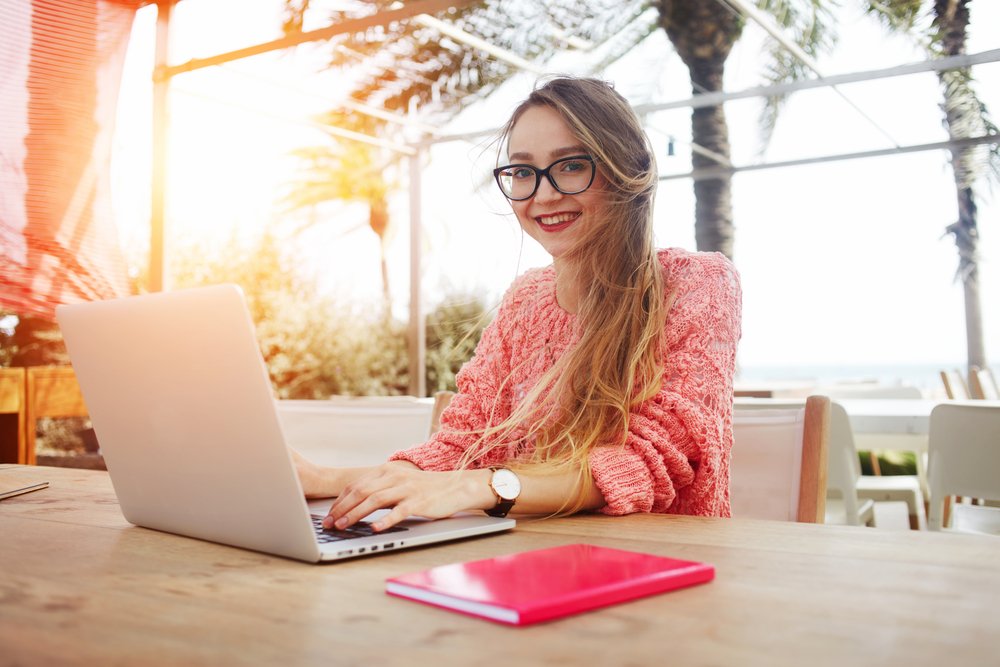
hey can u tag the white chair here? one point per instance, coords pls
(896, 488)
(964, 461)
(842, 468)
(778, 465)
(888, 488)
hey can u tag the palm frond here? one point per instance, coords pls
(811, 24)
(899, 16)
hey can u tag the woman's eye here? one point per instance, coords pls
(522, 172)
(573, 165)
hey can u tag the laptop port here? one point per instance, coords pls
(389, 545)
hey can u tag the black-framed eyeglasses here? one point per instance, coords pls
(569, 175)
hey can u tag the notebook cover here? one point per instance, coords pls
(545, 584)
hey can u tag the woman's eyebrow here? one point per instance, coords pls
(558, 153)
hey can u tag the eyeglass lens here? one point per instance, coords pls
(569, 176)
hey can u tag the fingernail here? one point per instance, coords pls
(341, 522)
(328, 521)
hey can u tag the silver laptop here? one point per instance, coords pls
(183, 408)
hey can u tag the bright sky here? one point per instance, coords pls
(842, 263)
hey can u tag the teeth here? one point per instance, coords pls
(557, 219)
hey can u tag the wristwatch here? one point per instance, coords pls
(506, 487)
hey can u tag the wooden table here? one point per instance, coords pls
(79, 585)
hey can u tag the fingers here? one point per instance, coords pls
(361, 498)
(396, 515)
(353, 507)
(405, 491)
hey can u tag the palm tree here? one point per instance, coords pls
(349, 171)
(411, 64)
(965, 117)
(703, 36)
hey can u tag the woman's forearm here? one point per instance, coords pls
(547, 493)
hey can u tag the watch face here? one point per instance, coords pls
(506, 484)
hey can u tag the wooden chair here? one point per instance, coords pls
(843, 506)
(954, 385)
(964, 462)
(13, 445)
(778, 468)
(52, 391)
(441, 401)
(982, 384)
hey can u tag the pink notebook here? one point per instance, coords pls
(541, 585)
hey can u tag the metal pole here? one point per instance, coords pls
(161, 89)
(417, 337)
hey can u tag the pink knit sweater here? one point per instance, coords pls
(676, 455)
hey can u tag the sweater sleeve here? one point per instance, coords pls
(483, 396)
(676, 454)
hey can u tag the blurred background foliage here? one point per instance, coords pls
(314, 345)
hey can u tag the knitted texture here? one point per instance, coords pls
(676, 455)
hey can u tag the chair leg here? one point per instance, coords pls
(873, 459)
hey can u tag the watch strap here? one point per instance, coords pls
(504, 505)
(501, 509)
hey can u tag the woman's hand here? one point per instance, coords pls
(317, 481)
(409, 491)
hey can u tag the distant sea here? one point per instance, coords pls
(924, 376)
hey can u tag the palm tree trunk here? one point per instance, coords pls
(713, 211)
(951, 18)
(966, 233)
(703, 33)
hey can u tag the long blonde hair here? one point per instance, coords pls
(585, 399)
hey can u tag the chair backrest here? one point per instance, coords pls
(354, 431)
(441, 401)
(954, 385)
(779, 461)
(842, 466)
(963, 456)
(52, 391)
(983, 385)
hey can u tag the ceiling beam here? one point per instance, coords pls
(933, 65)
(717, 172)
(410, 10)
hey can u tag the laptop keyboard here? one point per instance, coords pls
(360, 529)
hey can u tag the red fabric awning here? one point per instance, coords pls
(61, 62)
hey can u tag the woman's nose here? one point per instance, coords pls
(546, 191)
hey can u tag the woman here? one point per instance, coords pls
(605, 380)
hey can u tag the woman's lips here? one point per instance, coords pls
(557, 221)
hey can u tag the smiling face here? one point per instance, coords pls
(556, 220)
